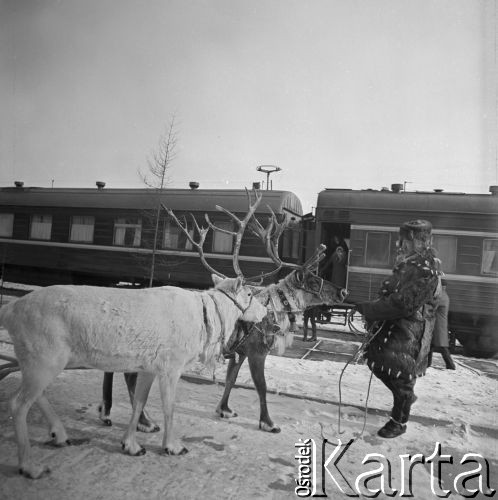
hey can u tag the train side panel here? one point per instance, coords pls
(121, 235)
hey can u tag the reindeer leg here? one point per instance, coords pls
(56, 428)
(106, 405)
(129, 443)
(257, 367)
(145, 423)
(36, 376)
(167, 386)
(232, 372)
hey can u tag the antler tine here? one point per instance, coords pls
(276, 233)
(242, 224)
(202, 237)
(264, 234)
(317, 256)
(270, 237)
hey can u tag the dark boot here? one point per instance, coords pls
(392, 429)
(450, 364)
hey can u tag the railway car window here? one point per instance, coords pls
(446, 247)
(222, 242)
(82, 228)
(489, 259)
(6, 225)
(41, 227)
(127, 231)
(377, 252)
(174, 237)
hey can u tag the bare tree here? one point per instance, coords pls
(159, 164)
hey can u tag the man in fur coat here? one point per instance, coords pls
(401, 321)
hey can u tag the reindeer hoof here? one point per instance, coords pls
(35, 472)
(168, 451)
(141, 451)
(148, 427)
(67, 442)
(104, 417)
(77, 442)
(226, 413)
(269, 428)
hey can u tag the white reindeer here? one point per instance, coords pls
(156, 332)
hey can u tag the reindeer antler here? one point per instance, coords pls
(242, 224)
(270, 237)
(317, 256)
(202, 231)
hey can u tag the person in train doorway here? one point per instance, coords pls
(401, 321)
(339, 266)
(440, 340)
(334, 266)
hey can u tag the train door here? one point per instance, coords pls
(336, 236)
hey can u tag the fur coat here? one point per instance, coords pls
(403, 316)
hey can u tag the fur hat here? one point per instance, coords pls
(420, 230)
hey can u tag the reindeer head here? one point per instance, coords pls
(304, 277)
(318, 291)
(242, 296)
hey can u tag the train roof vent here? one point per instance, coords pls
(100, 185)
(19, 184)
(396, 188)
(193, 185)
(493, 190)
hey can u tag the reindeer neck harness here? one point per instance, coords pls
(282, 302)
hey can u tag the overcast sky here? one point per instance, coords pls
(337, 93)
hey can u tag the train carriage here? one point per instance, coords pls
(105, 236)
(465, 229)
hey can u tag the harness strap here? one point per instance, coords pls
(243, 340)
(222, 323)
(284, 300)
(235, 302)
(286, 304)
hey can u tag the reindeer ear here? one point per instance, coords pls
(216, 279)
(299, 276)
(238, 284)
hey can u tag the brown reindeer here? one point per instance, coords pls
(299, 290)
(142, 331)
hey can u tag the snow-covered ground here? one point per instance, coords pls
(232, 458)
